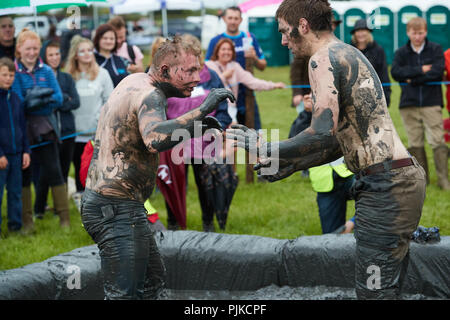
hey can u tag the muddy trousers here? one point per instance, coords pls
(130, 261)
(388, 210)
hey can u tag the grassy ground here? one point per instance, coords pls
(284, 210)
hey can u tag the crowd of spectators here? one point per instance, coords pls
(51, 97)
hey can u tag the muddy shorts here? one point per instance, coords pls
(130, 261)
(388, 209)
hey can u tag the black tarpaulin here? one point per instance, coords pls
(216, 261)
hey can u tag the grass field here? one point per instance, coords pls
(285, 209)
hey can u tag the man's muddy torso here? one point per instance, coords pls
(365, 131)
(122, 166)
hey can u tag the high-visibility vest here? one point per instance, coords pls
(322, 176)
(148, 206)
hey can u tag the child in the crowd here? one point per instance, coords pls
(14, 146)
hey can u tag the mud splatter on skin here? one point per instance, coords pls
(169, 90)
(360, 98)
(133, 132)
(365, 134)
(314, 145)
(294, 33)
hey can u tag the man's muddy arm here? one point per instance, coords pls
(308, 149)
(319, 139)
(317, 144)
(160, 134)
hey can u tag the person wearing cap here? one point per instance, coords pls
(362, 39)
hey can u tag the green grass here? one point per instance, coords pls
(284, 210)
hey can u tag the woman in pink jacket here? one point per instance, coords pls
(231, 73)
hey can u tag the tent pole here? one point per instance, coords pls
(95, 13)
(164, 21)
(35, 20)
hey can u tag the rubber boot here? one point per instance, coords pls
(421, 156)
(209, 227)
(441, 163)
(27, 210)
(61, 204)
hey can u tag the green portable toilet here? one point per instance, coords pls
(438, 26)
(404, 15)
(381, 20)
(350, 17)
(337, 32)
(265, 30)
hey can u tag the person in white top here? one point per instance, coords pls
(124, 50)
(232, 74)
(94, 85)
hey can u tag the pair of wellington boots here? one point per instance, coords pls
(60, 203)
(440, 157)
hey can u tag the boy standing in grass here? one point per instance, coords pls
(14, 147)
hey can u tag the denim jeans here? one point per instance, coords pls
(131, 265)
(333, 205)
(11, 177)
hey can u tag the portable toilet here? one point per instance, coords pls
(338, 31)
(404, 15)
(265, 30)
(381, 20)
(350, 17)
(438, 26)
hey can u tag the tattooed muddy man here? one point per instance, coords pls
(350, 118)
(132, 130)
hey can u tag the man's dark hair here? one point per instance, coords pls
(117, 22)
(7, 62)
(317, 12)
(232, 9)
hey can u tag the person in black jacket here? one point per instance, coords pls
(51, 55)
(7, 40)
(363, 40)
(416, 63)
(14, 147)
(105, 43)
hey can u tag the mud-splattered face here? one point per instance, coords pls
(291, 38)
(184, 75)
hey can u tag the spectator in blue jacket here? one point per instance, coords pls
(51, 55)
(14, 147)
(37, 87)
(246, 47)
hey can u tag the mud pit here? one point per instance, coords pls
(217, 266)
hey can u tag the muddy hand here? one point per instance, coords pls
(283, 172)
(243, 137)
(211, 123)
(215, 97)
